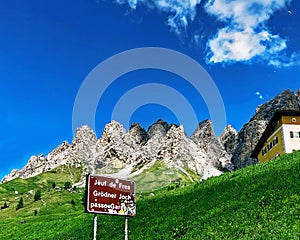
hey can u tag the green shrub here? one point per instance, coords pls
(4, 206)
(20, 204)
(67, 185)
(37, 195)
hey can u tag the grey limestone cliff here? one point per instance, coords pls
(251, 132)
(128, 153)
(120, 152)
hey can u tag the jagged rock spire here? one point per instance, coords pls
(128, 153)
(251, 132)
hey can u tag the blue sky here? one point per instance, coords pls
(250, 49)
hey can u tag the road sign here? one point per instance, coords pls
(110, 196)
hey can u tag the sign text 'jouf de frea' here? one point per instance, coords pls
(110, 196)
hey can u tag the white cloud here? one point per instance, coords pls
(244, 13)
(181, 12)
(260, 96)
(236, 45)
(131, 3)
(245, 35)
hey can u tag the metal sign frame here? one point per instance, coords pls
(107, 195)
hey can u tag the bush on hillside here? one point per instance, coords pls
(67, 185)
(37, 195)
(20, 204)
(4, 206)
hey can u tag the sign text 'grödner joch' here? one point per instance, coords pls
(110, 196)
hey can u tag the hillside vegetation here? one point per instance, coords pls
(257, 202)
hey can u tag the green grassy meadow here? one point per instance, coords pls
(257, 202)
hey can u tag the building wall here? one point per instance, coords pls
(276, 149)
(287, 131)
(294, 120)
(291, 134)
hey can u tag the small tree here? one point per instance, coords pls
(4, 206)
(67, 185)
(37, 195)
(20, 204)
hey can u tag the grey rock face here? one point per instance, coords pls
(286, 100)
(117, 150)
(251, 132)
(229, 139)
(203, 135)
(160, 128)
(205, 139)
(179, 151)
(120, 152)
(248, 137)
(138, 134)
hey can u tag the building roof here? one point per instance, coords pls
(270, 128)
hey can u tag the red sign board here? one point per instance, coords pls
(110, 196)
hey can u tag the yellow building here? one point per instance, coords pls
(282, 135)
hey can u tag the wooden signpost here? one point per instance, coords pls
(112, 196)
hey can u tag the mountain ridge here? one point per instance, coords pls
(118, 152)
(126, 154)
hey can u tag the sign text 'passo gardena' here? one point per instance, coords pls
(110, 196)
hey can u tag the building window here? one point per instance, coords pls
(294, 134)
(270, 145)
(264, 151)
(275, 141)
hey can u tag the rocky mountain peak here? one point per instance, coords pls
(286, 100)
(229, 139)
(175, 132)
(129, 153)
(298, 97)
(205, 126)
(159, 128)
(251, 132)
(112, 132)
(60, 149)
(203, 134)
(138, 134)
(118, 151)
(82, 148)
(84, 134)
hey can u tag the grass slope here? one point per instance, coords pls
(148, 180)
(257, 202)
